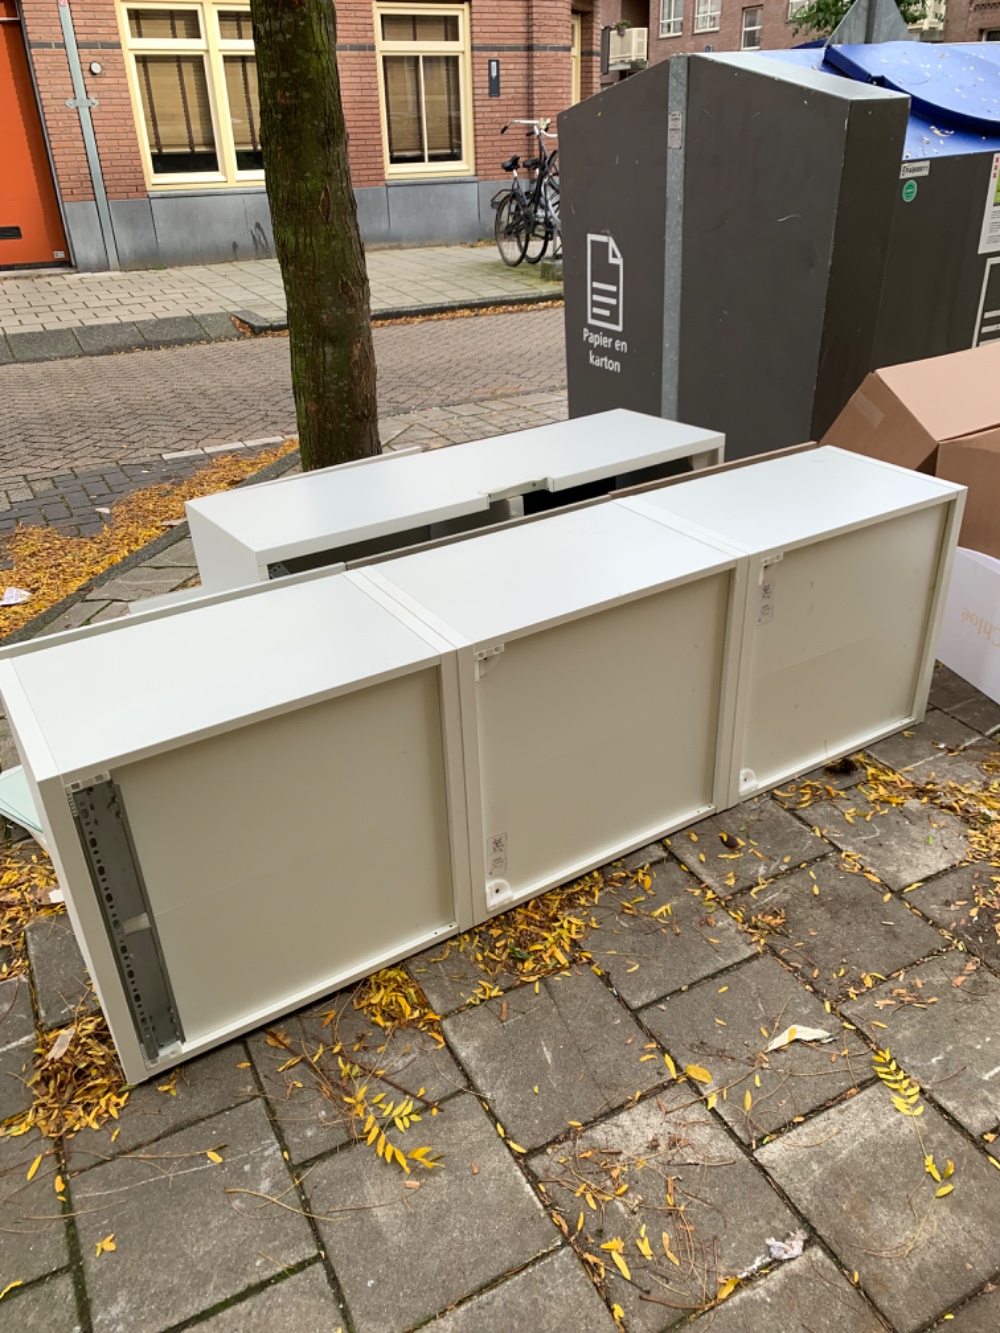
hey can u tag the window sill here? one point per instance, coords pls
(465, 177)
(181, 191)
(666, 36)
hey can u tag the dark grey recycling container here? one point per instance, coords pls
(743, 241)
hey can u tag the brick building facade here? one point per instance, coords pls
(157, 159)
(130, 128)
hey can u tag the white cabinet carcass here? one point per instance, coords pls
(338, 514)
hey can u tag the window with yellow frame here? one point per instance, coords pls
(424, 89)
(193, 76)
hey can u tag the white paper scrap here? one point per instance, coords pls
(14, 597)
(798, 1034)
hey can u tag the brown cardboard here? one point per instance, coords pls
(902, 413)
(941, 415)
(975, 462)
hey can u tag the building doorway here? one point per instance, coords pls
(31, 230)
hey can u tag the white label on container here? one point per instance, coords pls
(989, 237)
(496, 855)
(675, 129)
(910, 169)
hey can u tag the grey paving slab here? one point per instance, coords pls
(847, 930)
(801, 793)
(17, 1044)
(102, 339)
(963, 701)
(981, 1315)
(31, 1224)
(965, 902)
(62, 985)
(901, 844)
(448, 974)
(650, 855)
(942, 1023)
(763, 839)
(915, 750)
(693, 1185)
(857, 1174)
(49, 1307)
(143, 581)
(721, 1026)
(806, 1295)
(180, 555)
(656, 940)
(196, 1090)
(80, 613)
(572, 1040)
(183, 1244)
(302, 1303)
(411, 1253)
(43, 345)
(310, 1121)
(554, 1295)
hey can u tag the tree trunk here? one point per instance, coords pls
(316, 230)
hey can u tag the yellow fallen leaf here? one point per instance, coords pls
(58, 1184)
(671, 1067)
(712, 1098)
(945, 1189)
(213, 1156)
(10, 1287)
(699, 1074)
(747, 1100)
(727, 1288)
(515, 1147)
(34, 1167)
(107, 1245)
(621, 1265)
(644, 1247)
(617, 1311)
(669, 1252)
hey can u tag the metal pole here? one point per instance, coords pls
(82, 104)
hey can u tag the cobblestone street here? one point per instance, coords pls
(79, 430)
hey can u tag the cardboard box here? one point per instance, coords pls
(940, 416)
(970, 630)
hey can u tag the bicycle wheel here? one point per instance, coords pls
(510, 231)
(538, 237)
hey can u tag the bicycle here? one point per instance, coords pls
(526, 223)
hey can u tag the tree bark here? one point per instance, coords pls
(316, 234)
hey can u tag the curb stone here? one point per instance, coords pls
(76, 340)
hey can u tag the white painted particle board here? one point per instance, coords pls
(289, 765)
(849, 557)
(596, 655)
(238, 534)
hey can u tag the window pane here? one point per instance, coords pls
(244, 111)
(402, 108)
(420, 27)
(164, 23)
(177, 112)
(443, 108)
(234, 25)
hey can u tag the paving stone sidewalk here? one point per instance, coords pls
(52, 315)
(604, 1156)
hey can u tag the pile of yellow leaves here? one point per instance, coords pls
(25, 880)
(392, 999)
(50, 565)
(77, 1081)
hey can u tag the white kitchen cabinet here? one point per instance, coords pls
(328, 517)
(849, 560)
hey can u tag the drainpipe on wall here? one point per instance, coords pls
(82, 104)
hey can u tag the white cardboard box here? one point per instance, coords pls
(970, 631)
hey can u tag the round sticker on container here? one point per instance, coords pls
(909, 191)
